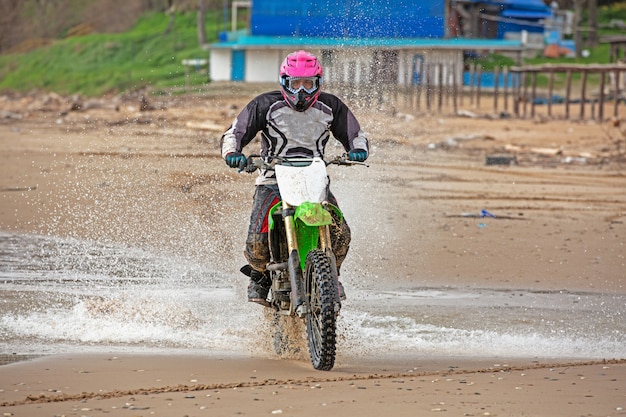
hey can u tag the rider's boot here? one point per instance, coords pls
(259, 287)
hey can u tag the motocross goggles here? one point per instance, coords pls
(296, 84)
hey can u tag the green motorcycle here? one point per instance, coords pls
(302, 264)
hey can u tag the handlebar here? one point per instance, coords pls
(255, 161)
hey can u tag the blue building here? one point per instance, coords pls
(374, 41)
(497, 18)
(349, 19)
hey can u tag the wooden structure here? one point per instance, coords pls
(610, 87)
(617, 48)
(584, 91)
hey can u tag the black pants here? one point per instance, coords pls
(257, 250)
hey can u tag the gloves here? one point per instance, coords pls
(358, 155)
(235, 159)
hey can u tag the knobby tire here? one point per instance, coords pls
(321, 322)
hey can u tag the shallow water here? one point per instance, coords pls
(66, 295)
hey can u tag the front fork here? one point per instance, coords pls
(293, 263)
(298, 295)
(327, 247)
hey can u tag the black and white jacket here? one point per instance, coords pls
(287, 132)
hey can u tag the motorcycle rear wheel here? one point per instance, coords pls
(321, 321)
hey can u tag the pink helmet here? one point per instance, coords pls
(300, 79)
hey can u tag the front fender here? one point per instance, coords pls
(313, 214)
(308, 217)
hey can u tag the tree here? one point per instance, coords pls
(9, 12)
(200, 21)
(171, 10)
(578, 35)
(592, 39)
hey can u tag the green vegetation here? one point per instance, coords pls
(151, 54)
(597, 55)
(101, 63)
(491, 61)
(617, 11)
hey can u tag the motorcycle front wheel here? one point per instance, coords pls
(321, 321)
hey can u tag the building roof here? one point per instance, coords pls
(352, 19)
(526, 14)
(282, 42)
(516, 4)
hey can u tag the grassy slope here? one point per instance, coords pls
(101, 63)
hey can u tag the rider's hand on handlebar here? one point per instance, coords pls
(358, 155)
(235, 159)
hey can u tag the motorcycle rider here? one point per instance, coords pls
(294, 122)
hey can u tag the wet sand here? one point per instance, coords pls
(155, 179)
(195, 386)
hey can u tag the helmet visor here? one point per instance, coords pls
(295, 84)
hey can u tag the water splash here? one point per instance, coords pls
(62, 295)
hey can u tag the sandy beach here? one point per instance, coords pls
(196, 386)
(153, 178)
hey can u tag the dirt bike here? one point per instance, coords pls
(302, 264)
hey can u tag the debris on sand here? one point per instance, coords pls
(9, 115)
(455, 141)
(501, 160)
